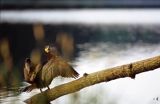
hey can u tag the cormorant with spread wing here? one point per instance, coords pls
(54, 67)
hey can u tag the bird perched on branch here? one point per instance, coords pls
(54, 67)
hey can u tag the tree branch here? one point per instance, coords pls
(128, 70)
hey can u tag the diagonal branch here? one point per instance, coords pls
(128, 70)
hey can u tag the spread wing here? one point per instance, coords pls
(26, 71)
(57, 67)
(64, 69)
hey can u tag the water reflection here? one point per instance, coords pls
(98, 56)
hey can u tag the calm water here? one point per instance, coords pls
(94, 57)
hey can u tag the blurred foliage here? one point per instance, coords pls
(9, 75)
(38, 32)
(66, 44)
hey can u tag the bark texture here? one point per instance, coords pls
(127, 70)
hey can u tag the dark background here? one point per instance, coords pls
(21, 36)
(61, 4)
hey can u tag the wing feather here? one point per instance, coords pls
(57, 67)
(65, 70)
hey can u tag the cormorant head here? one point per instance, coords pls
(49, 49)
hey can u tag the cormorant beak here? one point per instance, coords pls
(46, 49)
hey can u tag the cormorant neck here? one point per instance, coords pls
(50, 55)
